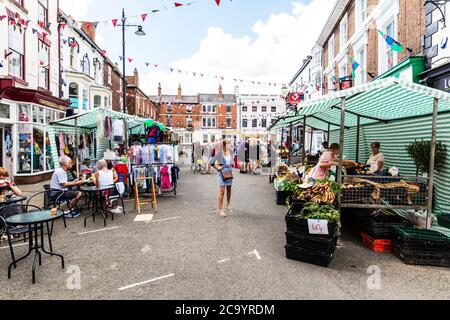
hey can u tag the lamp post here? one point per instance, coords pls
(139, 32)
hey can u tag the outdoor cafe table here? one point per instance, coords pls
(35, 220)
(12, 200)
(96, 193)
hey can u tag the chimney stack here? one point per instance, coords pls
(136, 77)
(159, 90)
(179, 92)
(90, 32)
(220, 92)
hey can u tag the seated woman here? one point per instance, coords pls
(104, 176)
(6, 184)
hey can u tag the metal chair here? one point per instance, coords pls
(120, 187)
(13, 231)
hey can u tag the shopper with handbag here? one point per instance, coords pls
(222, 162)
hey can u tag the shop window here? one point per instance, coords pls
(85, 99)
(24, 152)
(50, 115)
(38, 149)
(49, 164)
(16, 47)
(73, 95)
(44, 68)
(97, 101)
(38, 114)
(4, 111)
(24, 113)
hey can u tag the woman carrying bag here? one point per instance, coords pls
(222, 162)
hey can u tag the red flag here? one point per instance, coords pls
(2, 17)
(62, 25)
(114, 22)
(144, 15)
(44, 35)
(41, 23)
(218, 2)
(178, 4)
(130, 60)
(88, 25)
(222, 78)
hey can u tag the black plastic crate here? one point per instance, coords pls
(422, 258)
(282, 197)
(312, 242)
(318, 258)
(444, 220)
(300, 227)
(297, 205)
(422, 240)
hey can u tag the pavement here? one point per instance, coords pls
(188, 252)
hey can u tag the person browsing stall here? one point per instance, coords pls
(105, 177)
(327, 160)
(376, 160)
(6, 184)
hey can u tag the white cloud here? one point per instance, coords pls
(76, 8)
(281, 43)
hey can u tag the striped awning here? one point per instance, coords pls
(381, 100)
(88, 120)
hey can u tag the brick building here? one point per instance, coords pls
(352, 31)
(112, 78)
(138, 103)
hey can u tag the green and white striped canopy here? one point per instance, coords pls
(88, 120)
(381, 100)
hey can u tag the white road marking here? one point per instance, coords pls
(104, 229)
(160, 220)
(145, 282)
(224, 260)
(256, 254)
(16, 245)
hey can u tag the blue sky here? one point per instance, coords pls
(249, 39)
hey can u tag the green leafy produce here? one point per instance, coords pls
(290, 186)
(322, 212)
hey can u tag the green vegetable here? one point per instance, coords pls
(315, 211)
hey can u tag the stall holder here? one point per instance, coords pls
(381, 101)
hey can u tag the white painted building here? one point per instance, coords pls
(82, 69)
(29, 86)
(256, 113)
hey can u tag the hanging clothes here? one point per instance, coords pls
(165, 180)
(118, 131)
(100, 127)
(108, 125)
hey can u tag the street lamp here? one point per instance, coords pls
(139, 32)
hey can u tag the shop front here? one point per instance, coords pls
(438, 78)
(24, 116)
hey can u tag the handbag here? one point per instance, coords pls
(227, 176)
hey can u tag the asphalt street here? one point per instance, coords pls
(188, 252)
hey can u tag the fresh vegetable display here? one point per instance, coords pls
(317, 211)
(325, 191)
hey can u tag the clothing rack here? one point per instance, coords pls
(156, 164)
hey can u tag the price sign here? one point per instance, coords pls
(318, 226)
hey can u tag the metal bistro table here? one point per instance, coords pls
(35, 220)
(12, 200)
(96, 194)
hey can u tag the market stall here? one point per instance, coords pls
(386, 106)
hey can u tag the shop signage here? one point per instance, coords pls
(345, 83)
(318, 226)
(295, 98)
(51, 104)
(443, 84)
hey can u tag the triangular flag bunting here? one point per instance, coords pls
(154, 11)
(95, 24)
(201, 74)
(178, 4)
(194, 73)
(41, 24)
(49, 25)
(147, 64)
(1, 64)
(87, 25)
(114, 22)
(44, 35)
(2, 17)
(34, 30)
(179, 71)
(62, 25)
(130, 60)
(222, 78)
(64, 41)
(171, 69)
(395, 45)
(121, 58)
(355, 66)
(218, 2)
(156, 66)
(144, 16)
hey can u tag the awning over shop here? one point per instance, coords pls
(382, 100)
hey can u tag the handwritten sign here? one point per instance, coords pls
(318, 226)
